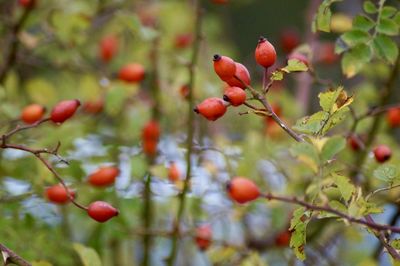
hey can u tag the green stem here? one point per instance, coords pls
(190, 134)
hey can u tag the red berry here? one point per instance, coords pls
(132, 73)
(101, 211)
(104, 176)
(393, 117)
(326, 53)
(290, 39)
(354, 142)
(173, 172)
(151, 131)
(243, 74)
(108, 48)
(220, 2)
(32, 113)
(150, 147)
(265, 53)
(300, 57)
(382, 153)
(235, 95)
(203, 236)
(242, 190)
(64, 110)
(27, 3)
(211, 108)
(93, 107)
(57, 194)
(224, 66)
(183, 40)
(283, 239)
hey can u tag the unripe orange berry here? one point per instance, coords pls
(104, 176)
(108, 48)
(289, 39)
(235, 95)
(173, 172)
(32, 113)
(64, 110)
(211, 108)
(393, 117)
(93, 107)
(243, 74)
(382, 153)
(224, 66)
(57, 194)
(283, 239)
(265, 53)
(242, 190)
(132, 73)
(27, 3)
(183, 40)
(150, 147)
(203, 237)
(101, 211)
(151, 131)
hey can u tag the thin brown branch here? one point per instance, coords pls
(9, 256)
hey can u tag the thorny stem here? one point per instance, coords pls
(190, 134)
(326, 208)
(9, 256)
(263, 100)
(38, 154)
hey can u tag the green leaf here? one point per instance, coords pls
(306, 153)
(253, 259)
(298, 225)
(277, 75)
(387, 172)
(41, 263)
(332, 147)
(335, 119)
(354, 37)
(385, 48)
(344, 185)
(363, 23)
(388, 27)
(322, 19)
(369, 7)
(396, 18)
(114, 100)
(354, 60)
(328, 99)
(388, 11)
(295, 65)
(311, 124)
(395, 243)
(89, 256)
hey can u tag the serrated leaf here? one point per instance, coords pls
(277, 75)
(311, 124)
(369, 7)
(385, 48)
(388, 27)
(88, 256)
(332, 147)
(363, 23)
(354, 37)
(327, 99)
(295, 65)
(336, 118)
(354, 60)
(344, 185)
(388, 173)
(298, 226)
(388, 11)
(322, 19)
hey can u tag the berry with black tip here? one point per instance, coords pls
(235, 96)
(382, 153)
(211, 108)
(101, 211)
(265, 53)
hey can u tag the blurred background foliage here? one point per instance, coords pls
(58, 58)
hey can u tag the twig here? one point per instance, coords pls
(9, 256)
(190, 133)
